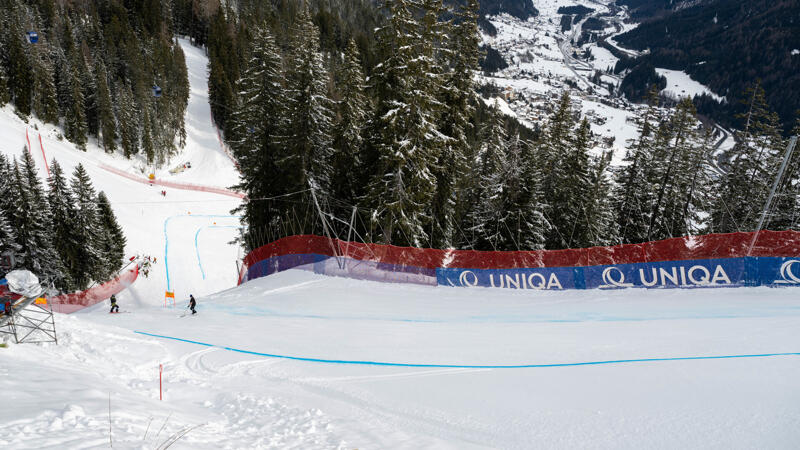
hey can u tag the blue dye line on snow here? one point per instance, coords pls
(468, 366)
(197, 249)
(166, 237)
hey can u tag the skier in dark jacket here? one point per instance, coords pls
(114, 306)
(7, 307)
(192, 303)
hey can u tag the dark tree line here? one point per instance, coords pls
(93, 69)
(67, 234)
(727, 45)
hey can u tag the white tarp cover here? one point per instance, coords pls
(24, 283)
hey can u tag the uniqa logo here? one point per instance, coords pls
(532, 280)
(610, 282)
(468, 279)
(786, 273)
(696, 275)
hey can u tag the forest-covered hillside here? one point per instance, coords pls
(388, 134)
(727, 45)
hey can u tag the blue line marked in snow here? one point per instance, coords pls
(166, 237)
(197, 249)
(468, 366)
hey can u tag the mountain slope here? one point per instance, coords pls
(727, 45)
(188, 231)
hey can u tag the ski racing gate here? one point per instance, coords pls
(766, 258)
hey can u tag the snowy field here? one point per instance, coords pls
(680, 85)
(294, 360)
(247, 400)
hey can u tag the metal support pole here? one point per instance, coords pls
(786, 157)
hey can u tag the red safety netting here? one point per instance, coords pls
(70, 303)
(768, 243)
(172, 184)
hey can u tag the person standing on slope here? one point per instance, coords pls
(192, 303)
(114, 306)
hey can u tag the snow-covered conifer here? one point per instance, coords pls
(406, 141)
(31, 219)
(111, 244)
(307, 158)
(87, 231)
(62, 218)
(105, 108)
(353, 110)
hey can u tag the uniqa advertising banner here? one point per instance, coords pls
(668, 274)
(703, 273)
(546, 278)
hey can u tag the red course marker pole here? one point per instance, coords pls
(160, 394)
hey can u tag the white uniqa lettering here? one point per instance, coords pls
(644, 280)
(514, 281)
(500, 277)
(703, 280)
(524, 281)
(720, 275)
(533, 285)
(553, 282)
(683, 275)
(668, 276)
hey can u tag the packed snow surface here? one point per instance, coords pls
(245, 400)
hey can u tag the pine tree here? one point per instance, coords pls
(571, 195)
(698, 184)
(406, 142)
(483, 218)
(45, 96)
(521, 224)
(633, 192)
(351, 120)
(75, 126)
(16, 61)
(307, 158)
(89, 264)
(602, 227)
(555, 147)
(5, 95)
(30, 216)
(128, 123)
(257, 124)
(751, 166)
(458, 97)
(8, 237)
(105, 108)
(111, 243)
(673, 156)
(148, 144)
(62, 217)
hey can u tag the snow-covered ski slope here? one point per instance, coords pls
(358, 364)
(298, 360)
(184, 229)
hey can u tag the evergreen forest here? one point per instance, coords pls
(365, 122)
(385, 131)
(94, 68)
(67, 234)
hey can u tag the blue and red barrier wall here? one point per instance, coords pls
(714, 260)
